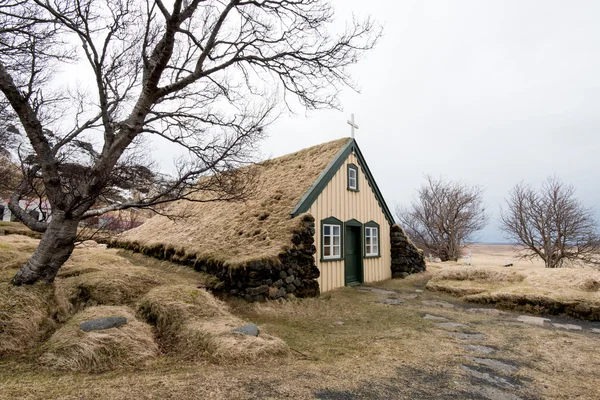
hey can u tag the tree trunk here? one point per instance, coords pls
(54, 249)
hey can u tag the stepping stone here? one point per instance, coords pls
(408, 296)
(248, 329)
(437, 303)
(340, 323)
(489, 378)
(100, 324)
(375, 290)
(478, 348)
(434, 317)
(569, 327)
(418, 291)
(532, 320)
(466, 336)
(391, 302)
(494, 364)
(486, 311)
(451, 325)
(595, 330)
(492, 393)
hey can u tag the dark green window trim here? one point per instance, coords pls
(355, 168)
(372, 224)
(332, 221)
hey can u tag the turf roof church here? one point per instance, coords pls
(317, 222)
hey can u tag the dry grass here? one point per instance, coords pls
(17, 228)
(15, 250)
(233, 232)
(71, 349)
(92, 276)
(193, 324)
(528, 286)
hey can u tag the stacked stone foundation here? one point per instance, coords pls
(406, 257)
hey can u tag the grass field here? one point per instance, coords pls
(342, 345)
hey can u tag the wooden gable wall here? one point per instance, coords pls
(337, 201)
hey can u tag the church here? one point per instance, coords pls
(317, 221)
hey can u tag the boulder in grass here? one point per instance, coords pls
(100, 324)
(248, 329)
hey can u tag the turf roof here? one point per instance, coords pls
(259, 228)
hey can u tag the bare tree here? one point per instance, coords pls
(202, 74)
(444, 217)
(551, 224)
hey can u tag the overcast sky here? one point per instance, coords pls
(487, 92)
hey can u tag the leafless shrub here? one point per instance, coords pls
(551, 223)
(444, 217)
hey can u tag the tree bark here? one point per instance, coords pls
(55, 247)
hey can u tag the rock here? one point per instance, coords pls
(291, 288)
(494, 364)
(478, 348)
(102, 323)
(282, 274)
(486, 311)
(487, 377)
(434, 317)
(339, 323)
(492, 393)
(595, 330)
(467, 336)
(569, 327)
(418, 291)
(278, 283)
(248, 329)
(437, 303)
(257, 290)
(280, 293)
(391, 302)
(400, 275)
(532, 320)
(289, 279)
(508, 265)
(447, 325)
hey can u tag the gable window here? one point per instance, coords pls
(352, 177)
(372, 239)
(331, 239)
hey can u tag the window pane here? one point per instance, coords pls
(368, 249)
(336, 240)
(327, 230)
(327, 240)
(326, 251)
(374, 232)
(336, 250)
(368, 241)
(336, 230)
(375, 249)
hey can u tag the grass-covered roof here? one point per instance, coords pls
(238, 232)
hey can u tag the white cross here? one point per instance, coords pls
(352, 124)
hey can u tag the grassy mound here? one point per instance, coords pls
(566, 291)
(70, 348)
(27, 315)
(194, 324)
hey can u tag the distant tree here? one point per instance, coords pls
(444, 217)
(206, 75)
(551, 223)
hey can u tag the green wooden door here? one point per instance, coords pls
(352, 256)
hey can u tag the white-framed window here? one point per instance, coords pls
(371, 241)
(352, 178)
(332, 241)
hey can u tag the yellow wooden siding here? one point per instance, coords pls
(339, 202)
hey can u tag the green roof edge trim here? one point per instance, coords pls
(315, 190)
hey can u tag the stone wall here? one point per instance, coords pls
(406, 257)
(293, 272)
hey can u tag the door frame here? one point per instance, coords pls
(361, 267)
